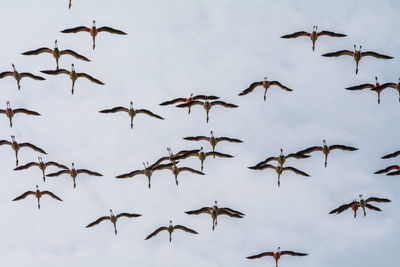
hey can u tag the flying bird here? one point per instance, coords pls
(390, 168)
(266, 84)
(395, 86)
(18, 76)
(354, 205)
(147, 171)
(215, 211)
(113, 219)
(313, 35)
(38, 194)
(191, 98)
(207, 105)
(281, 159)
(74, 173)
(72, 75)
(391, 155)
(368, 86)
(93, 31)
(17, 146)
(278, 169)
(42, 166)
(357, 55)
(170, 229)
(326, 150)
(277, 255)
(55, 52)
(132, 112)
(9, 112)
(213, 140)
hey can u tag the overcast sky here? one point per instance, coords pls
(171, 50)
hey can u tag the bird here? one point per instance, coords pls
(326, 150)
(357, 55)
(9, 112)
(213, 140)
(16, 147)
(207, 105)
(277, 255)
(55, 52)
(201, 155)
(390, 168)
(72, 75)
(38, 194)
(170, 229)
(18, 76)
(368, 86)
(391, 155)
(395, 86)
(176, 170)
(313, 35)
(93, 31)
(132, 112)
(74, 173)
(279, 169)
(171, 156)
(215, 211)
(281, 159)
(147, 171)
(191, 98)
(266, 84)
(42, 166)
(113, 219)
(354, 205)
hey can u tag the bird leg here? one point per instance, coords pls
(115, 228)
(57, 63)
(313, 45)
(207, 116)
(16, 157)
(38, 202)
(365, 214)
(170, 237)
(73, 84)
(94, 42)
(73, 178)
(176, 179)
(149, 182)
(326, 160)
(202, 161)
(189, 110)
(276, 263)
(69, 4)
(10, 122)
(379, 97)
(44, 176)
(356, 67)
(131, 122)
(279, 179)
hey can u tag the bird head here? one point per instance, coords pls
(13, 66)
(13, 138)
(279, 249)
(265, 78)
(281, 152)
(360, 196)
(73, 67)
(94, 23)
(37, 187)
(8, 104)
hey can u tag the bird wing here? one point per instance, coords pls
(156, 232)
(361, 86)
(392, 167)
(187, 151)
(224, 212)
(113, 110)
(372, 207)
(56, 72)
(88, 172)
(29, 112)
(224, 104)
(58, 173)
(197, 138)
(3, 111)
(191, 170)
(33, 147)
(74, 54)
(339, 53)
(383, 86)
(261, 255)
(129, 215)
(218, 154)
(280, 85)
(392, 155)
(232, 140)
(342, 147)
(38, 51)
(52, 163)
(173, 101)
(341, 208)
(310, 149)
(199, 211)
(376, 199)
(90, 78)
(297, 156)
(374, 54)
(251, 88)
(5, 142)
(110, 30)
(262, 167)
(204, 97)
(291, 253)
(76, 29)
(394, 173)
(147, 112)
(6, 73)
(186, 155)
(51, 194)
(130, 174)
(295, 171)
(181, 227)
(332, 34)
(296, 34)
(99, 220)
(24, 195)
(160, 160)
(155, 167)
(266, 161)
(30, 75)
(231, 211)
(26, 166)
(192, 103)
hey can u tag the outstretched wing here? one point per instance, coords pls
(110, 30)
(376, 199)
(88, 172)
(30, 75)
(280, 85)
(332, 34)
(218, 154)
(129, 215)
(156, 232)
(291, 253)
(224, 212)
(231, 211)
(56, 72)
(360, 87)
(74, 54)
(51, 194)
(38, 51)
(204, 97)
(197, 138)
(113, 110)
(58, 173)
(341, 208)
(342, 147)
(25, 111)
(387, 169)
(224, 104)
(385, 85)
(372, 207)
(33, 147)
(199, 211)
(394, 173)
(6, 73)
(147, 112)
(26, 166)
(191, 170)
(183, 228)
(262, 167)
(374, 54)
(232, 140)
(310, 149)
(90, 78)
(76, 29)
(99, 220)
(295, 171)
(339, 53)
(173, 101)
(52, 163)
(296, 34)
(130, 174)
(392, 155)
(5, 142)
(251, 88)
(24, 195)
(185, 105)
(261, 255)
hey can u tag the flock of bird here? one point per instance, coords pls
(172, 160)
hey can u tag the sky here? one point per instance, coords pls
(173, 49)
